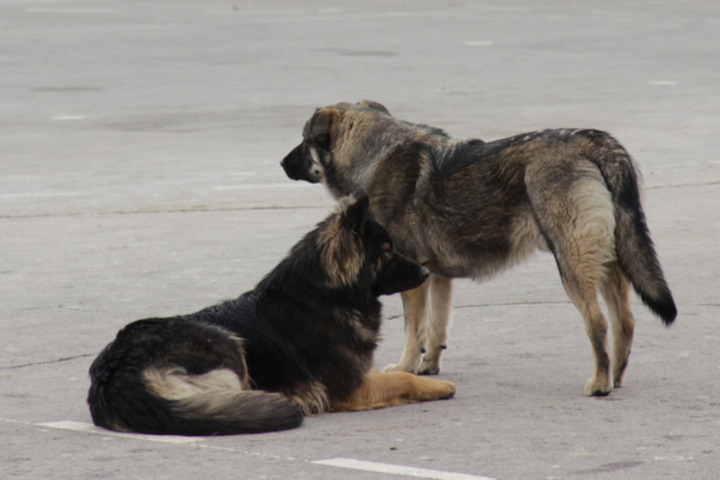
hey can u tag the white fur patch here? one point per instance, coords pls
(317, 171)
(175, 383)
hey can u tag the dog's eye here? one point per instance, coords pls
(385, 255)
(322, 140)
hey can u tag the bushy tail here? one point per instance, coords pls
(222, 413)
(635, 252)
(169, 401)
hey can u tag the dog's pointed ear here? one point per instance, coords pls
(356, 214)
(321, 125)
(374, 106)
(341, 238)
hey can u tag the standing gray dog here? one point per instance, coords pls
(474, 208)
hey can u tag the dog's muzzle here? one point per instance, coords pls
(297, 165)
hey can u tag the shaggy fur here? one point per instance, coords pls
(301, 342)
(469, 208)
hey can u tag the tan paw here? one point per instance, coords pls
(597, 388)
(433, 389)
(400, 367)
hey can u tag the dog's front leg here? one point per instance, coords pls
(381, 390)
(415, 308)
(434, 330)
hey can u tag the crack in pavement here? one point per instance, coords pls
(48, 362)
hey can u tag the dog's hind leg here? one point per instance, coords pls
(434, 330)
(615, 291)
(575, 212)
(381, 390)
(584, 296)
(415, 307)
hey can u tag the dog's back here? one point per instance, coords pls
(475, 208)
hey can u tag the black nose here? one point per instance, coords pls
(291, 171)
(293, 164)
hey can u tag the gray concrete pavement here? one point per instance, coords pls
(139, 175)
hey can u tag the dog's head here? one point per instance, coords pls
(356, 252)
(334, 139)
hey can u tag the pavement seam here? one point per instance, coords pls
(159, 211)
(48, 362)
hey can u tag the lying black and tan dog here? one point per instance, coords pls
(301, 342)
(474, 208)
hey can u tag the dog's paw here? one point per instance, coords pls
(429, 365)
(597, 388)
(619, 379)
(447, 390)
(428, 369)
(395, 367)
(390, 367)
(407, 363)
(437, 390)
(429, 389)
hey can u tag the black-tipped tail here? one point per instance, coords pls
(663, 306)
(636, 253)
(635, 250)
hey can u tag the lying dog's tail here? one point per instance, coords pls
(139, 386)
(635, 252)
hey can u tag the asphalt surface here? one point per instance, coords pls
(139, 176)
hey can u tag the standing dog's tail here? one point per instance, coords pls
(635, 253)
(139, 386)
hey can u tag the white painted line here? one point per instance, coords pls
(347, 463)
(90, 428)
(66, 118)
(663, 83)
(387, 468)
(679, 458)
(479, 43)
(75, 11)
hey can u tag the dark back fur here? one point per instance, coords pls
(463, 206)
(308, 331)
